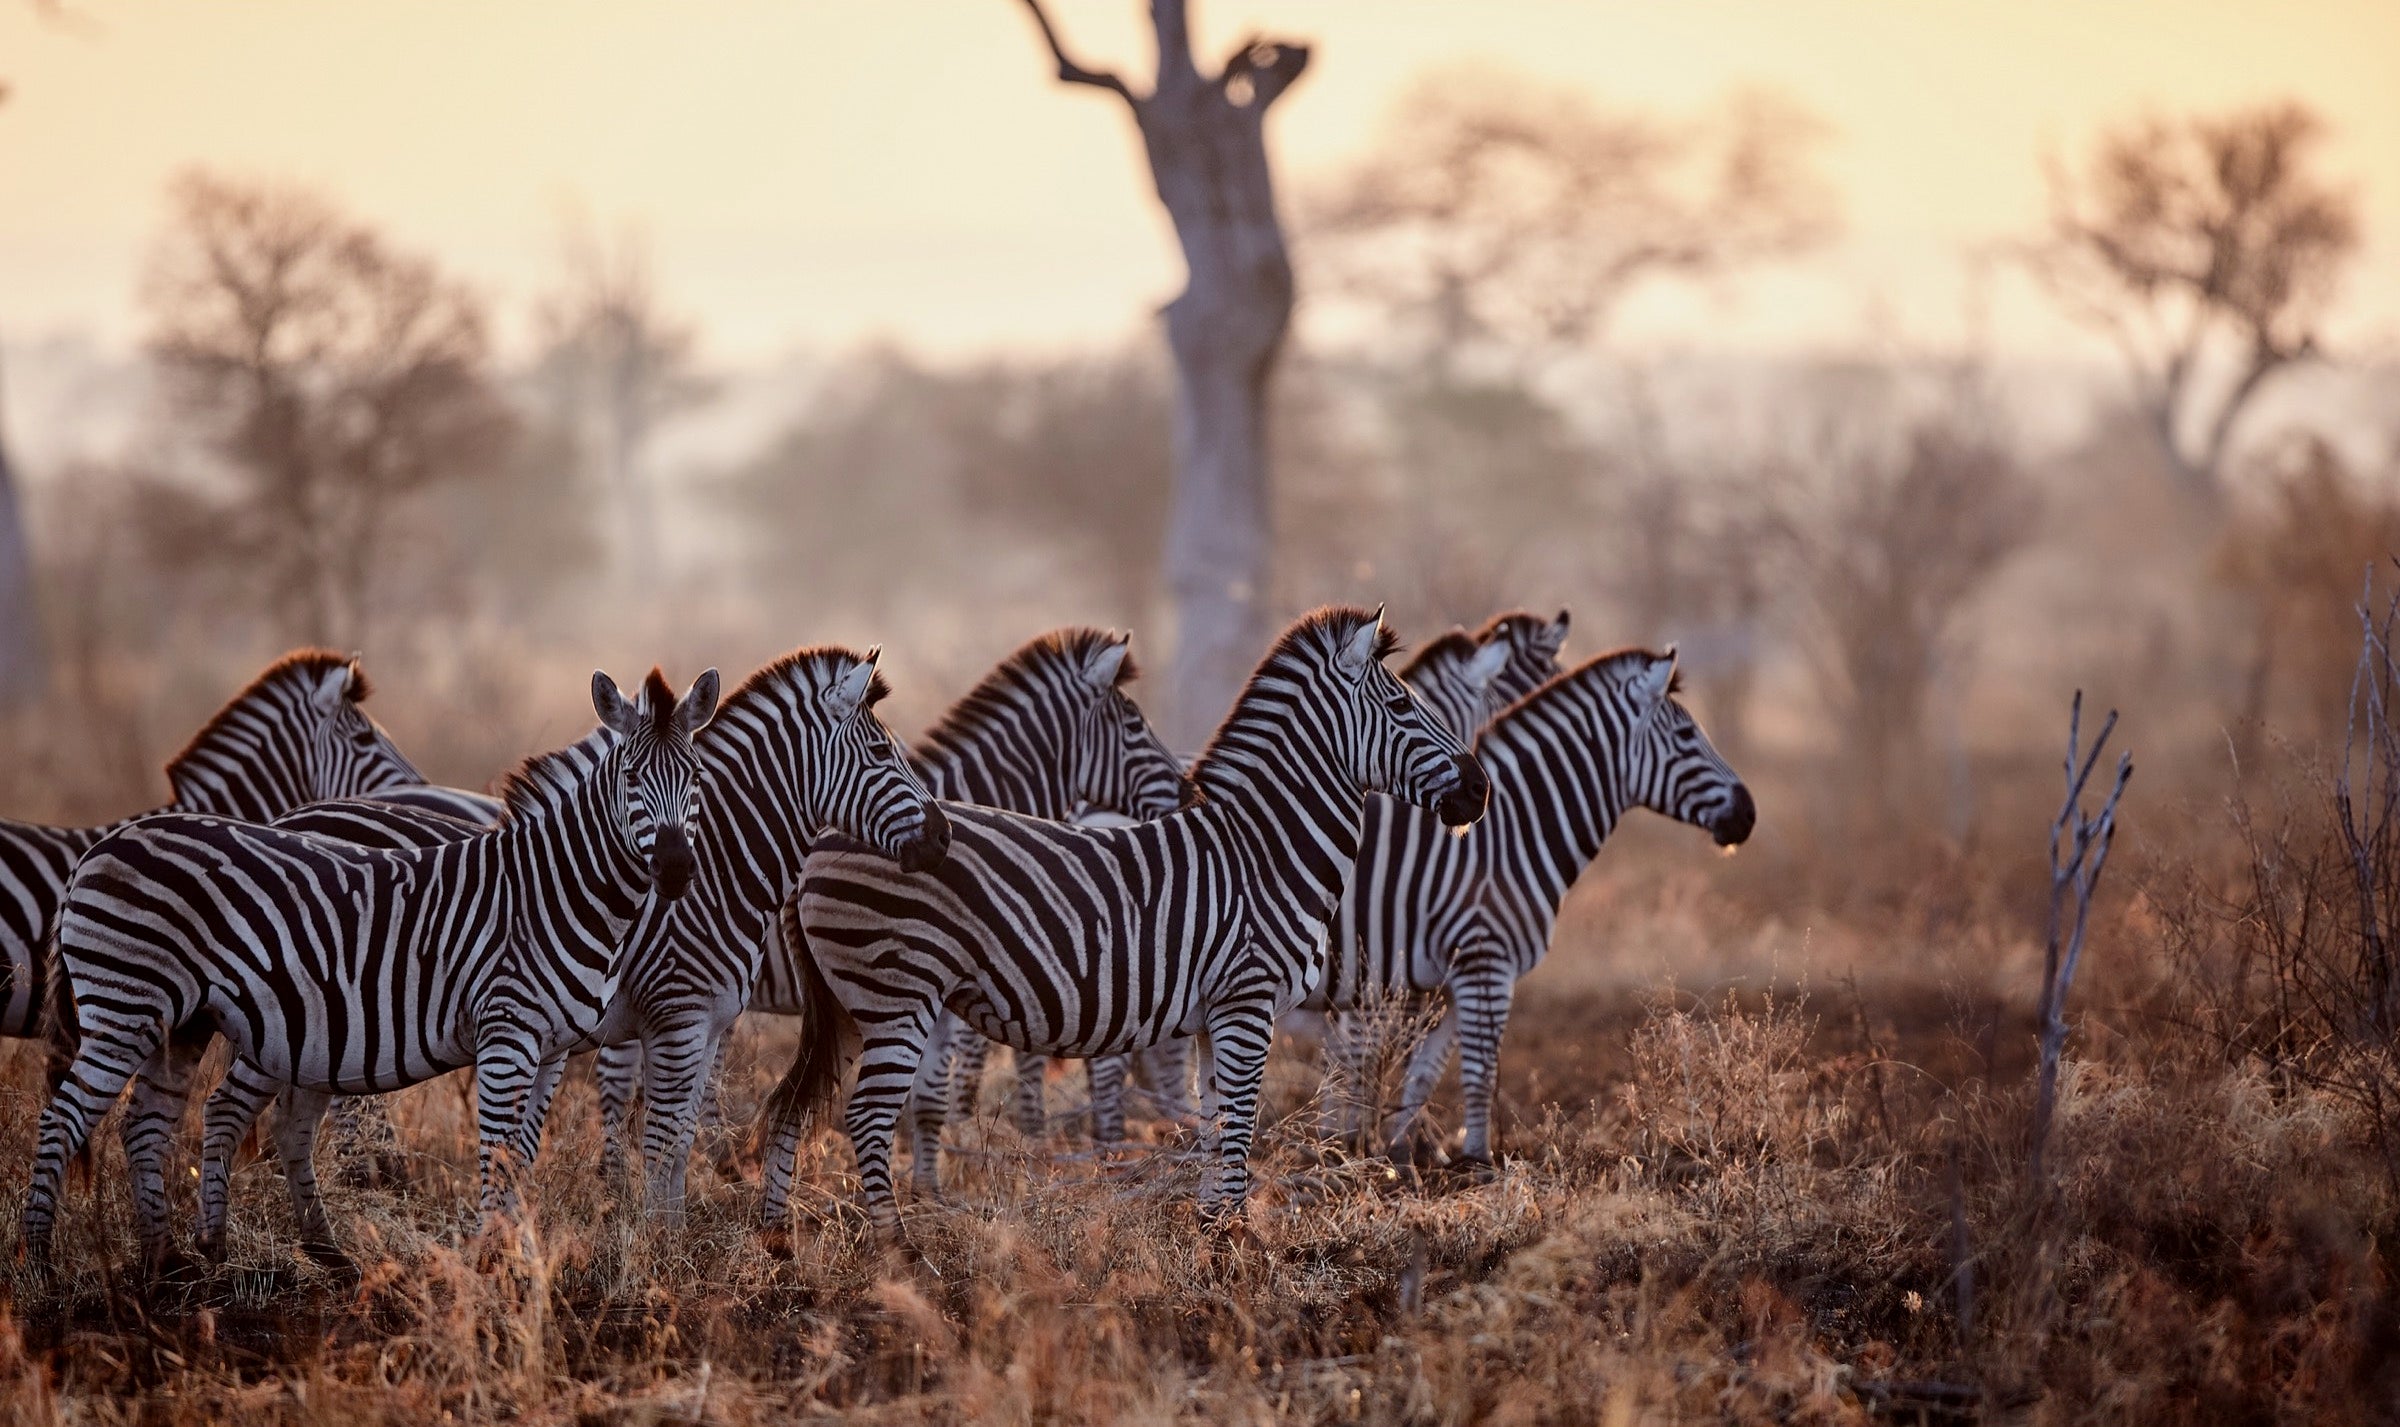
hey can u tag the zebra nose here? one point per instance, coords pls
(1464, 802)
(925, 851)
(671, 863)
(1734, 824)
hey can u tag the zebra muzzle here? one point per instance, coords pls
(1733, 825)
(671, 863)
(1464, 802)
(925, 851)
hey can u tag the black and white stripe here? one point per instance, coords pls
(294, 735)
(1096, 941)
(1429, 914)
(1050, 731)
(336, 968)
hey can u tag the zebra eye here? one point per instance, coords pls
(1397, 703)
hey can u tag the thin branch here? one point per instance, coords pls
(1069, 72)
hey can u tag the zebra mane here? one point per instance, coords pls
(1313, 634)
(812, 668)
(303, 667)
(1455, 645)
(1015, 678)
(1614, 666)
(1501, 621)
(546, 781)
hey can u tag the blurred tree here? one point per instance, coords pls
(2208, 249)
(1498, 215)
(1206, 139)
(24, 666)
(328, 376)
(613, 365)
(1891, 523)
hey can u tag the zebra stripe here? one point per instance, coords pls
(1049, 730)
(336, 968)
(293, 735)
(1430, 914)
(1095, 941)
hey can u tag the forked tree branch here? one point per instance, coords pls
(2072, 882)
(1069, 72)
(1268, 67)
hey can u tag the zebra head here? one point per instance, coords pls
(850, 773)
(1118, 764)
(1452, 678)
(1532, 643)
(295, 735)
(1397, 747)
(1671, 767)
(660, 772)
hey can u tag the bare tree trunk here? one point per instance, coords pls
(1206, 141)
(24, 669)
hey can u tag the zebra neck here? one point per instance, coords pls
(1294, 813)
(575, 872)
(753, 832)
(991, 773)
(1558, 789)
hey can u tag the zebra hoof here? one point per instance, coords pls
(327, 1255)
(1475, 1169)
(211, 1248)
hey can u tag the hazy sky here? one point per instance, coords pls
(811, 172)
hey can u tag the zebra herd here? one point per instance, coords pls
(1039, 872)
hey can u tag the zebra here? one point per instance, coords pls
(339, 968)
(797, 746)
(293, 735)
(1050, 730)
(1462, 679)
(1094, 941)
(1463, 918)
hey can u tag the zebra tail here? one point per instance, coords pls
(814, 1083)
(63, 1035)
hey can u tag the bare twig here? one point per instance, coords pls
(2086, 839)
(1069, 72)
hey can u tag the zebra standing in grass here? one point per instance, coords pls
(1463, 918)
(1462, 679)
(294, 735)
(796, 748)
(1095, 941)
(337, 968)
(1050, 730)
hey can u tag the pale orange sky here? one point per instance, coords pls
(813, 173)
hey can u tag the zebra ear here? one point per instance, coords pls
(1486, 664)
(1556, 637)
(1358, 651)
(612, 706)
(849, 693)
(333, 689)
(1101, 670)
(699, 704)
(1657, 678)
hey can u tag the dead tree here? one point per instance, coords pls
(1205, 136)
(23, 668)
(2084, 839)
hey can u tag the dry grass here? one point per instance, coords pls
(1748, 1199)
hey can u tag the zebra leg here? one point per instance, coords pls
(929, 1102)
(894, 1046)
(1025, 1105)
(1239, 1033)
(160, 1093)
(225, 1120)
(108, 1057)
(676, 1061)
(1481, 990)
(1107, 1076)
(1426, 1065)
(1167, 1068)
(296, 1146)
(618, 1069)
(371, 1146)
(526, 1143)
(1349, 1043)
(962, 1080)
(507, 1062)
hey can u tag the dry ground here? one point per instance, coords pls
(1759, 1166)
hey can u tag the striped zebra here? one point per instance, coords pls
(294, 735)
(1462, 679)
(796, 748)
(336, 968)
(1049, 731)
(1095, 941)
(1432, 915)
